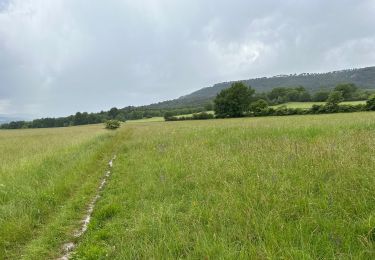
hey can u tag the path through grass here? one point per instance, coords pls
(47, 178)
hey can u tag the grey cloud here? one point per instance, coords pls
(59, 57)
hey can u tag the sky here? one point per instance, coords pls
(58, 57)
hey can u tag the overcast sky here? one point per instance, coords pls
(58, 57)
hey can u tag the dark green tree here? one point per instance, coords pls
(233, 101)
(320, 96)
(113, 112)
(168, 115)
(347, 89)
(334, 98)
(370, 104)
(278, 93)
(209, 106)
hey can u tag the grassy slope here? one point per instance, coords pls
(147, 120)
(47, 178)
(278, 187)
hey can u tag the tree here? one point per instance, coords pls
(113, 112)
(334, 98)
(281, 95)
(304, 96)
(78, 119)
(168, 115)
(370, 104)
(277, 94)
(347, 90)
(209, 106)
(320, 96)
(293, 95)
(233, 101)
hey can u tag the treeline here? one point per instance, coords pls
(84, 118)
(246, 95)
(240, 100)
(282, 95)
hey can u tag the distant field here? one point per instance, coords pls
(310, 104)
(298, 187)
(145, 120)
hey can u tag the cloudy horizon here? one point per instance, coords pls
(63, 56)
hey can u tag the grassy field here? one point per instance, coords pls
(47, 177)
(296, 187)
(299, 187)
(147, 120)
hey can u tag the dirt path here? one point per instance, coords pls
(69, 247)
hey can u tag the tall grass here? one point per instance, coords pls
(47, 177)
(298, 187)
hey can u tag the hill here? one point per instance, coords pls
(7, 119)
(363, 77)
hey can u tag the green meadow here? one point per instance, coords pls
(293, 187)
(47, 177)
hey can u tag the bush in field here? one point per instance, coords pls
(370, 104)
(168, 115)
(233, 101)
(112, 124)
(258, 105)
(316, 109)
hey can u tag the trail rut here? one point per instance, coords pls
(69, 247)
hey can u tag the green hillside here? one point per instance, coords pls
(363, 78)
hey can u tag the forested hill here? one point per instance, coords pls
(363, 78)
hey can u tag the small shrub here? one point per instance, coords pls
(316, 109)
(258, 105)
(112, 124)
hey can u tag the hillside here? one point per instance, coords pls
(7, 119)
(364, 78)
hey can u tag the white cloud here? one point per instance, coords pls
(4, 106)
(62, 56)
(236, 57)
(353, 52)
